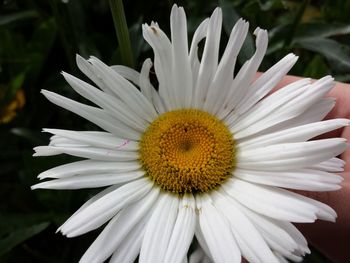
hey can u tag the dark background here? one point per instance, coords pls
(40, 38)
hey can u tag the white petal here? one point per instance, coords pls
(130, 248)
(224, 74)
(209, 62)
(181, 68)
(147, 88)
(198, 36)
(302, 179)
(266, 106)
(245, 76)
(183, 231)
(296, 235)
(110, 103)
(283, 260)
(251, 243)
(298, 102)
(333, 165)
(197, 255)
(315, 113)
(97, 213)
(58, 141)
(88, 152)
(290, 155)
(296, 134)
(216, 231)
(201, 239)
(145, 84)
(265, 83)
(284, 202)
(159, 229)
(89, 167)
(90, 181)
(89, 71)
(270, 230)
(162, 62)
(118, 228)
(95, 115)
(98, 139)
(127, 73)
(271, 201)
(127, 92)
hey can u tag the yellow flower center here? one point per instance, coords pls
(187, 151)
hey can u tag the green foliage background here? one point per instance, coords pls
(39, 38)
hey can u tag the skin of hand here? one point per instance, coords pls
(333, 239)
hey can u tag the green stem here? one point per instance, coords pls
(121, 28)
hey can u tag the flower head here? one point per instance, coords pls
(206, 155)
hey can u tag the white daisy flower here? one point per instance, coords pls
(202, 159)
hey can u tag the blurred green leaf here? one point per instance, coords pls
(329, 48)
(13, 221)
(20, 235)
(321, 30)
(317, 68)
(39, 47)
(14, 17)
(270, 4)
(342, 78)
(33, 137)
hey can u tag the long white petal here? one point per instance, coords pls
(290, 155)
(224, 74)
(88, 152)
(90, 201)
(333, 165)
(266, 82)
(110, 103)
(315, 113)
(118, 228)
(299, 101)
(97, 213)
(95, 115)
(181, 68)
(162, 62)
(251, 243)
(127, 73)
(284, 202)
(301, 179)
(209, 62)
(270, 201)
(90, 181)
(216, 231)
(130, 248)
(295, 134)
(127, 92)
(198, 36)
(270, 230)
(201, 239)
(147, 88)
(159, 229)
(183, 231)
(98, 139)
(89, 71)
(89, 167)
(245, 76)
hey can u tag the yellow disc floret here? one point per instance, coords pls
(187, 151)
